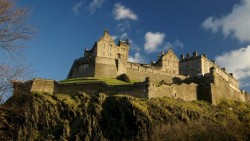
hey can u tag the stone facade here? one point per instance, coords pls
(193, 77)
(199, 65)
(107, 59)
(215, 89)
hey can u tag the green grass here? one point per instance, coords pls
(47, 96)
(69, 100)
(109, 81)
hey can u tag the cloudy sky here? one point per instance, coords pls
(219, 28)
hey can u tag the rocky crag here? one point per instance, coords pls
(42, 117)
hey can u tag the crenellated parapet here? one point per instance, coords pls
(196, 65)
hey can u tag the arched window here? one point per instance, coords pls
(118, 56)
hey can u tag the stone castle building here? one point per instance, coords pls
(192, 77)
(107, 59)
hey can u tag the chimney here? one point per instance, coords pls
(182, 57)
(224, 69)
(231, 74)
(127, 41)
(188, 55)
(195, 54)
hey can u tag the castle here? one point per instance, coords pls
(192, 77)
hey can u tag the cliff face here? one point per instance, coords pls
(41, 116)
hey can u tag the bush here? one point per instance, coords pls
(123, 77)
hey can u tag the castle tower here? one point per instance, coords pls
(169, 62)
(105, 59)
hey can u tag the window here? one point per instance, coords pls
(110, 55)
(119, 56)
(103, 54)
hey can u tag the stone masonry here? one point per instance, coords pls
(192, 77)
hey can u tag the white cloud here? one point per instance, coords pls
(134, 46)
(77, 7)
(168, 45)
(124, 36)
(245, 84)
(123, 26)
(121, 13)
(114, 37)
(95, 4)
(236, 23)
(178, 44)
(153, 41)
(236, 61)
(137, 58)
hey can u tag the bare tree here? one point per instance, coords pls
(13, 25)
(13, 30)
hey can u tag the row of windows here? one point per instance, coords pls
(119, 56)
(110, 47)
(171, 64)
(106, 54)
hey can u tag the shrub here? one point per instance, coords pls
(123, 77)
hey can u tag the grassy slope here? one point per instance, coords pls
(41, 116)
(108, 81)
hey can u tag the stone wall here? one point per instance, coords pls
(207, 64)
(43, 85)
(106, 47)
(82, 67)
(105, 67)
(21, 87)
(184, 91)
(223, 90)
(197, 65)
(247, 96)
(137, 90)
(204, 93)
(191, 66)
(138, 72)
(214, 93)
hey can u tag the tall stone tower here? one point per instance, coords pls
(105, 59)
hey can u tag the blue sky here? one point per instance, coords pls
(219, 28)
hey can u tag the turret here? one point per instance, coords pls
(212, 70)
(195, 54)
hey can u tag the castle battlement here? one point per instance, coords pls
(200, 65)
(190, 77)
(106, 59)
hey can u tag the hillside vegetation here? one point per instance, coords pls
(109, 81)
(42, 117)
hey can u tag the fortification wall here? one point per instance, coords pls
(207, 64)
(204, 93)
(184, 91)
(137, 72)
(21, 87)
(105, 67)
(82, 67)
(223, 90)
(247, 96)
(137, 90)
(43, 85)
